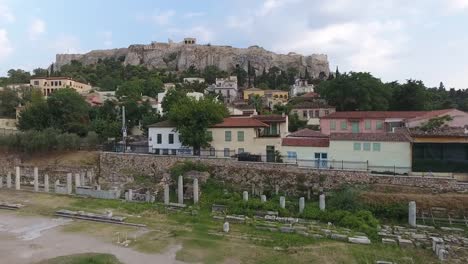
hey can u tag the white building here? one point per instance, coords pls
(163, 139)
(194, 80)
(227, 87)
(301, 87)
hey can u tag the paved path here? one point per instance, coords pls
(26, 240)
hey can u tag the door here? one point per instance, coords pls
(270, 153)
(355, 126)
(321, 160)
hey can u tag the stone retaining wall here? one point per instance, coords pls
(117, 169)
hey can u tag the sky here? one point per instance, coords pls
(393, 39)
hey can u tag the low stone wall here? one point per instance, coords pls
(117, 169)
(101, 194)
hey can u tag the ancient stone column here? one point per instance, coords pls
(77, 180)
(282, 202)
(82, 179)
(412, 213)
(36, 179)
(322, 202)
(277, 189)
(226, 227)
(69, 183)
(8, 180)
(180, 189)
(130, 194)
(245, 196)
(46, 182)
(166, 193)
(1, 181)
(263, 198)
(18, 178)
(301, 205)
(195, 191)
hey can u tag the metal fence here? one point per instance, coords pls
(321, 164)
(6, 132)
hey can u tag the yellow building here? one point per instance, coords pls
(253, 91)
(277, 94)
(257, 135)
(50, 84)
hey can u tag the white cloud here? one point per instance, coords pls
(67, 44)
(457, 4)
(107, 36)
(162, 17)
(5, 46)
(37, 28)
(269, 6)
(194, 14)
(6, 14)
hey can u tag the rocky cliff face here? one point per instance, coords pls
(179, 57)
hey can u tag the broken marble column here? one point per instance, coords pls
(69, 183)
(195, 191)
(253, 190)
(130, 195)
(36, 179)
(46, 182)
(82, 179)
(322, 202)
(77, 180)
(8, 180)
(301, 205)
(166, 193)
(226, 227)
(282, 202)
(276, 189)
(180, 189)
(18, 178)
(412, 213)
(1, 181)
(245, 196)
(263, 198)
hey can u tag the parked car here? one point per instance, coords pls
(246, 156)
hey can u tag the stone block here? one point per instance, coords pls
(359, 240)
(340, 237)
(389, 241)
(405, 243)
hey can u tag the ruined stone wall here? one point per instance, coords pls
(117, 169)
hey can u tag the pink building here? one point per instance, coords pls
(385, 121)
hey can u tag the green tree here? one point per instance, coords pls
(256, 101)
(295, 123)
(35, 116)
(172, 98)
(40, 72)
(436, 123)
(193, 117)
(410, 96)
(355, 91)
(68, 111)
(132, 90)
(18, 76)
(9, 100)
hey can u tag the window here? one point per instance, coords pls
(376, 146)
(292, 155)
(357, 146)
(317, 113)
(366, 146)
(227, 151)
(171, 138)
(368, 124)
(344, 125)
(227, 136)
(304, 113)
(159, 139)
(379, 124)
(333, 125)
(36, 82)
(165, 152)
(240, 150)
(311, 113)
(173, 152)
(327, 112)
(212, 152)
(210, 135)
(240, 136)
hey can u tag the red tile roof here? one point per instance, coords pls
(390, 137)
(308, 133)
(306, 142)
(270, 118)
(375, 114)
(432, 114)
(311, 95)
(240, 122)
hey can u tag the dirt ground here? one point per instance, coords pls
(30, 239)
(386, 194)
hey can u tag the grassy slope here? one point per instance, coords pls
(90, 258)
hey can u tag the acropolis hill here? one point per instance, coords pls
(180, 56)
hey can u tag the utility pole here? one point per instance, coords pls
(124, 130)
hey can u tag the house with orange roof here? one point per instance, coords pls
(306, 148)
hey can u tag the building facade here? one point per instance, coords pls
(312, 111)
(301, 86)
(252, 92)
(306, 148)
(163, 139)
(226, 87)
(51, 84)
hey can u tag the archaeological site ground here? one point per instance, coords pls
(93, 207)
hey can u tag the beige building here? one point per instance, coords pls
(51, 84)
(258, 135)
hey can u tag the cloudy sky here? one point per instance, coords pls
(393, 39)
